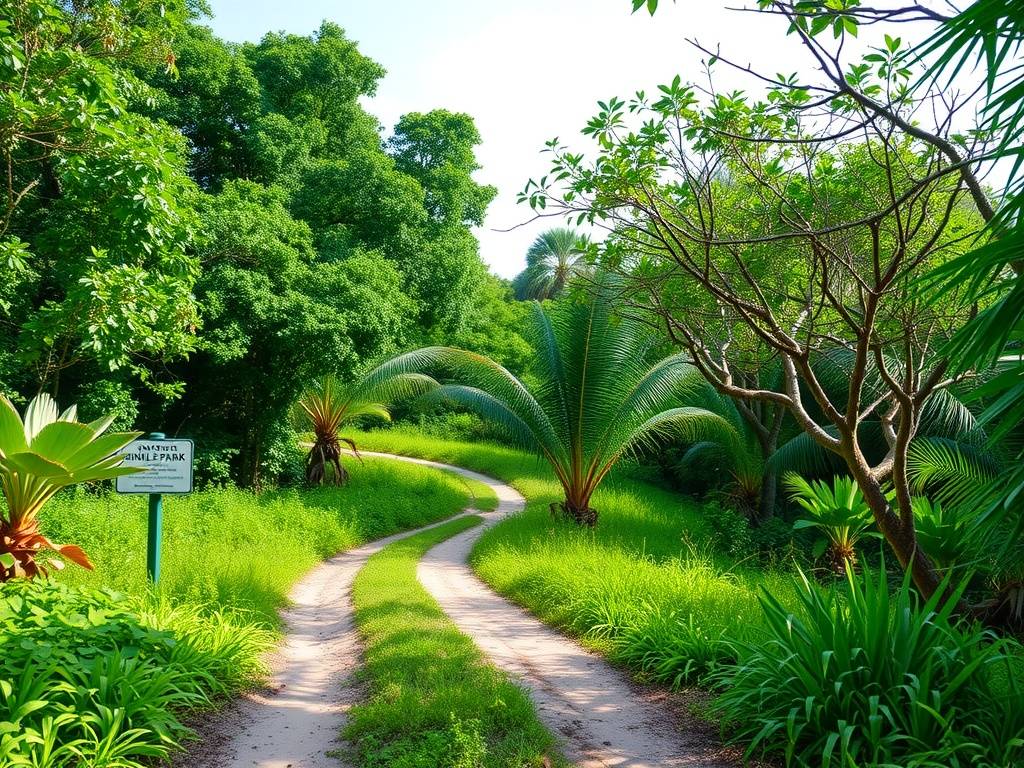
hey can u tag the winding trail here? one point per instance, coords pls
(296, 720)
(601, 718)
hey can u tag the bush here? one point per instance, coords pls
(86, 680)
(867, 678)
(729, 529)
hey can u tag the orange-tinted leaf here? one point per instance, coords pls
(76, 555)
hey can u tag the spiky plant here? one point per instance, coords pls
(597, 397)
(837, 511)
(41, 453)
(329, 404)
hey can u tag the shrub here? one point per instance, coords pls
(729, 529)
(85, 680)
(869, 678)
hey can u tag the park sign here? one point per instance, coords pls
(167, 465)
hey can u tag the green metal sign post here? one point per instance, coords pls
(166, 468)
(155, 532)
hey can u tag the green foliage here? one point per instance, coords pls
(837, 511)
(433, 700)
(88, 678)
(598, 397)
(869, 678)
(96, 219)
(554, 258)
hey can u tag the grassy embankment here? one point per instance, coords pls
(89, 676)
(433, 700)
(647, 586)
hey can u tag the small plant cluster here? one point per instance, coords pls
(864, 677)
(87, 680)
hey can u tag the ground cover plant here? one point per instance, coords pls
(90, 677)
(433, 700)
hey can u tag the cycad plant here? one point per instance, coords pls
(838, 512)
(41, 453)
(597, 396)
(329, 404)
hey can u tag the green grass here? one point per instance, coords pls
(433, 700)
(481, 496)
(235, 549)
(90, 676)
(647, 587)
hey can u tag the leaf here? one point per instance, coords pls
(12, 431)
(76, 555)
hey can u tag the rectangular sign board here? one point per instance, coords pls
(168, 465)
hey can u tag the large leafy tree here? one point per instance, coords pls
(598, 396)
(799, 223)
(96, 222)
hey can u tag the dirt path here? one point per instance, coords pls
(602, 717)
(297, 719)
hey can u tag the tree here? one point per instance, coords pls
(329, 405)
(597, 397)
(96, 222)
(553, 259)
(801, 221)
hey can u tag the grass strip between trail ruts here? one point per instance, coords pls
(482, 496)
(433, 701)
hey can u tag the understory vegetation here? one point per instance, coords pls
(99, 669)
(659, 587)
(433, 699)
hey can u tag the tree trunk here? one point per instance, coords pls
(901, 538)
(769, 492)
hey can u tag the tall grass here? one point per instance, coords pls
(234, 549)
(433, 700)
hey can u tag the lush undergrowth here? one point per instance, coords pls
(98, 677)
(433, 700)
(648, 586)
(90, 678)
(233, 548)
(653, 587)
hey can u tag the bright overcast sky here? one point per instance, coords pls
(526, 70)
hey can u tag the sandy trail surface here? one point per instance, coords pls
(601, 718)
(296, 720)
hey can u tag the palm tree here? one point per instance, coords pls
(552, 260)
(329, 404)
(597, 398)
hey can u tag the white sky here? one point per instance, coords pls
(526, 70)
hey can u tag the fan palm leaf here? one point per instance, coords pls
(553, 259)
(597, 398)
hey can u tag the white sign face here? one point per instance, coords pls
(168, 465)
